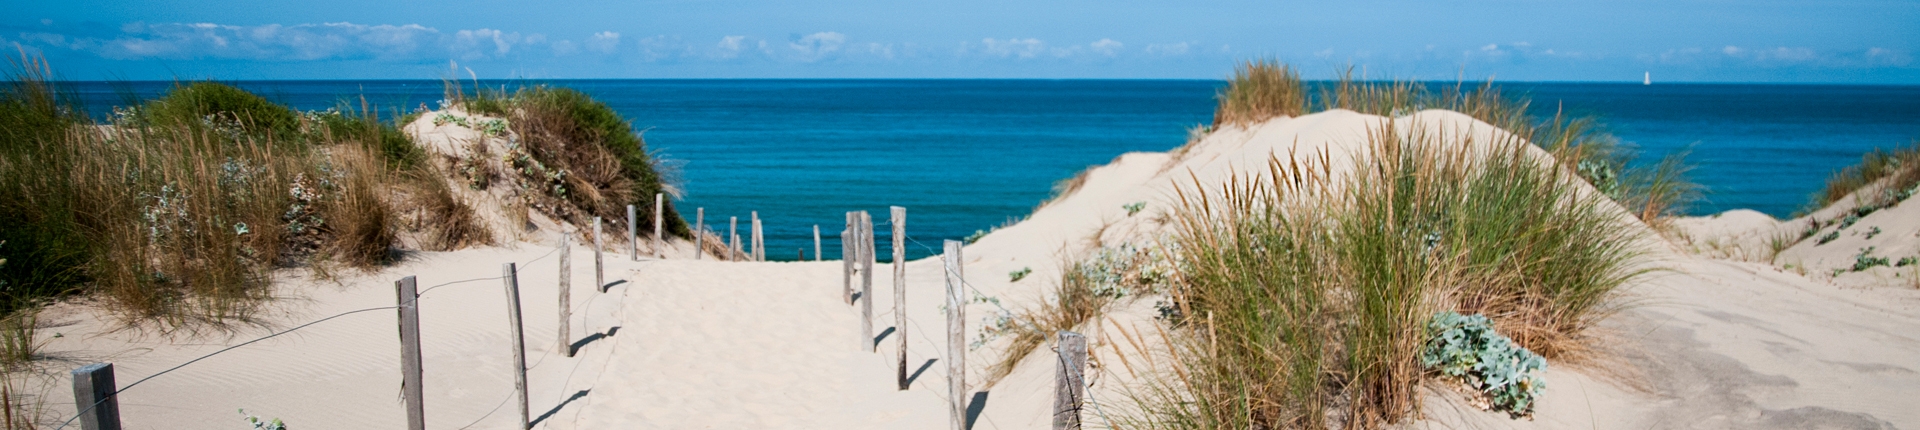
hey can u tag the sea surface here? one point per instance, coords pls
(968, 155)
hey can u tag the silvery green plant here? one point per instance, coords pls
(259, 424)
(1467, 347)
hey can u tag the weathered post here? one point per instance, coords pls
(816, 243)
(899, 221)
(866, 281)
(659, 218)
(565, 286)
(759, 252)
(633, 235)
(94, 396)
(956, 334)
(733, 236)
(1069, 382)
(512, 276)
(406, 292)
(847, 256)
(699, 232)
(599, 263)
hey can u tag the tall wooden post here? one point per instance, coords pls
(899, 221)
(512, 277)
(565, 287)
(956, 334)
(94, 396)
(699, 232)
(866, 280)
(816, 242)
(633, 235)
(599, 263)
(759, 250)
(733, 237)
(659, 221)
(407, 294)
(847, 257)
(1069, 382)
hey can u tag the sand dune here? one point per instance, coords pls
(1713, 343)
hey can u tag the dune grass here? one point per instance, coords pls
(584, 156)
(1302, 295)
(1265, 89)
(177, 208)
(1899, 167)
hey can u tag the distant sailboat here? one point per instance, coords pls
(1648, 80)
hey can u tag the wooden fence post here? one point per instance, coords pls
(512, 277)
(1069, 382)
(956, 334)
(659, 218)
(816, 242)
(759, 248)
(406, 291)
(565, 286)
(633, 235)
(866, 280)
(733, 236)
(699, 232)
(847, 255)
(599, 263)
(94, 395)
(899, 221)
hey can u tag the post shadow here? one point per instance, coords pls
(923, 369)
(582, 343)
(556, 409)
(974, 407)
(882, 336)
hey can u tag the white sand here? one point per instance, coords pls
(704, 344)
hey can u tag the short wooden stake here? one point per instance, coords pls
(816, 243)
(759, 248)
(565, 285)
(956, 334)
(847, 256)
(633, 235)
(659, 219)
(733, 237)
(512, 277)
(699, 232)
(1069, 382)
(899, 221)
(406, 292)
(94, 395)
(866, 281)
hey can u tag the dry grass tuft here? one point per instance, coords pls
(1260, 90)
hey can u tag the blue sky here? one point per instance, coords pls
(1529, 40)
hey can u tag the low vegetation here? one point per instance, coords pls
(1900, 168)
(1303, 299)
(1262, 90)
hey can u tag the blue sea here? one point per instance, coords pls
(967, 155)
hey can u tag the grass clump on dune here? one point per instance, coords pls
(1655, 192)
(583, 156)
(177, 208)
(1900, 168)
(1304, 296)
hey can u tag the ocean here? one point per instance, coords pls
(968, 155)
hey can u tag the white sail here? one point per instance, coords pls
(1647, 80)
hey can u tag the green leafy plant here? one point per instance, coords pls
(1017, 275)
(1134, 208)
(260, 424)
(1827, 238)
(1468, 348)
(1872, 232)
(1865, 260)
(1907, 261)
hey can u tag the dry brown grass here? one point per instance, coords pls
(1258, 91)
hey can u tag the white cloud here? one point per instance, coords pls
(482, 43)
(815, 46)
(1022, 48)
(604, 42)
(663, 47)
(1168, 48)
(1107, 47)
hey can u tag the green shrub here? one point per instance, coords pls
(216, 105)
(570, 141)
(1865, 260)
(1467, 347)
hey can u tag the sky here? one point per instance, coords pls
(1842, 41)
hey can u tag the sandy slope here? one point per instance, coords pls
(1714, 343)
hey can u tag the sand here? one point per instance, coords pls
(1724, 339)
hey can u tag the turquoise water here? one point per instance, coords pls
(964, 155)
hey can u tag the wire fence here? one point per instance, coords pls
(412, 301)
